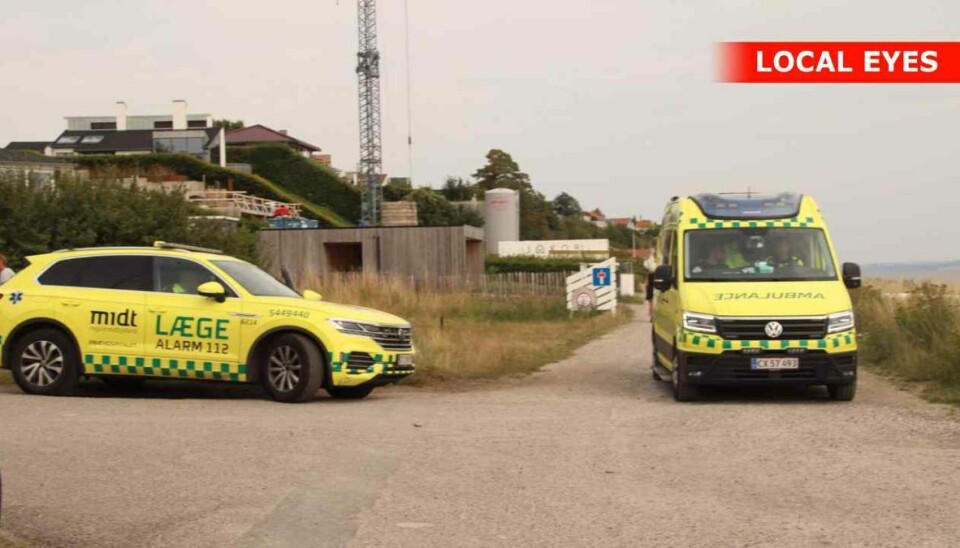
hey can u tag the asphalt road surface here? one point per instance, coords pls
(589, 452)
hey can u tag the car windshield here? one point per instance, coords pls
(757, 254)
(254, 280)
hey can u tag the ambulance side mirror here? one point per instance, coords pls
(311, 295)
(851, 275)
(213, 290)
(662, 277)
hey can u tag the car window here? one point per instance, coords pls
(129, 272)
(254, 280)
(173, 275)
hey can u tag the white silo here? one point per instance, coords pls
(501, 217)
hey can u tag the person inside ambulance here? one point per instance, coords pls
(783, 256)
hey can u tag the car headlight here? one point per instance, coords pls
(699, 322)
(841, 321)
(350, 327)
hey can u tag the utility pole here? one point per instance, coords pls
(371, 146)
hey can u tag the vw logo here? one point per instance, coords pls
(773, 330)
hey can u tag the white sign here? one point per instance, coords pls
(588, 249)
(594, 287)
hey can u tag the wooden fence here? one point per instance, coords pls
(504, 284)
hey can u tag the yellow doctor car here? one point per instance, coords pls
(178, 312)
(750, 292)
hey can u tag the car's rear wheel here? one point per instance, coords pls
(349, 392)
(45, 362)
(842, 392)
(292, 368)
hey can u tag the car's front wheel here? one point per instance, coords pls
(682, 390)
(45, 362)
(842, 392)
(293, 368)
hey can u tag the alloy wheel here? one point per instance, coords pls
(285, 368)
(41, 363)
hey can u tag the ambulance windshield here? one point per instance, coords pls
(757, 254)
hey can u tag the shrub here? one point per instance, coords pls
(497, 265)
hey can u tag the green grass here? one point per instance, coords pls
(914, 340)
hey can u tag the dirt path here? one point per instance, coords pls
(588, 452)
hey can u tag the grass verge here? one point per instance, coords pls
(5, 377)
(912, 336)
(463, 335)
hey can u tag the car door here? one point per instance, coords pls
(103, 299)
(189, 335)
(666, 314)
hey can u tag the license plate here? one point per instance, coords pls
(775, 364)
(405, 360)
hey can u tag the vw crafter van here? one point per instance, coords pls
(750, 292)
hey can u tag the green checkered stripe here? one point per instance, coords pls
(104, 364)
(795, 222)
(383, 365)
(840, 342)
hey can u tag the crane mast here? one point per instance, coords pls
(371, 146)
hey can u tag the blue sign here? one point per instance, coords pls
(602, 277)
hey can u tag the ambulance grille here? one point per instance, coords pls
(755, 328)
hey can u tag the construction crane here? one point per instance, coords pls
(371, 146)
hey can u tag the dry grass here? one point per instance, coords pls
(5, 377)
(912, 333)
(461, 335)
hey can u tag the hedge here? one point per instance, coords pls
(306, 178)
(497, 265)
(196, 169)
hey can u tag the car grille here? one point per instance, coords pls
(393, 338)
(754, 329)
(360, 360)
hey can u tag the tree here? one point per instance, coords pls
(502, 171)
(434, 210)
(397, 190)
(456, 190)
(566, 205)
(228, 125)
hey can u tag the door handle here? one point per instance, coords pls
(70, 303)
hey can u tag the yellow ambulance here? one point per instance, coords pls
(124, 315)
(749, 292)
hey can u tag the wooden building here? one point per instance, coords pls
(420, 253)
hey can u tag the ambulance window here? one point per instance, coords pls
(666, 245)
(110, 272)
(182, 276)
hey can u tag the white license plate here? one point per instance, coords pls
(405, 360)
(775, 364)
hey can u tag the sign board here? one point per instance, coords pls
(594, 287)
(587, 249)
(601, 277)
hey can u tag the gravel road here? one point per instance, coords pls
(589, 451)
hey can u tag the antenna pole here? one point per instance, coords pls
(371, 147)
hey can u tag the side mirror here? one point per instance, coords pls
(311, 295)
(663, 277)
(851, 275)
(213, 290)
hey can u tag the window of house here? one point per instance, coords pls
(68, 139)
(197, 123)
(189, 145)
(128, 272)
(103, 125)
(90, 139)
(163, 125)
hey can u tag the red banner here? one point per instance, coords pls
(839, 62)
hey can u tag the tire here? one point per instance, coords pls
(842, 392)
(292, 368)
(45, 362)
(682, 390)
(349, 392)
(653, 372)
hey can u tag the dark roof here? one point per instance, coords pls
(262, 134)
(26, 157)
(115, 141)
(36, 146)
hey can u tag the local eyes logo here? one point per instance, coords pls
(16, 297)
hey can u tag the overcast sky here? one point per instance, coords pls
(613, 101)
